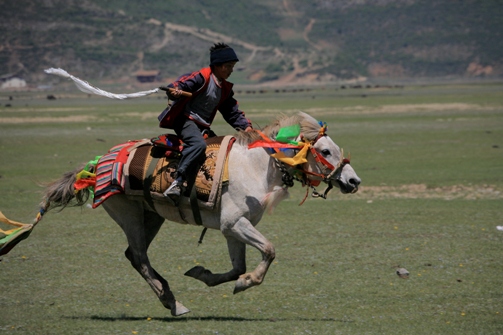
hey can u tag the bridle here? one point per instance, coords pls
(299, 173)
(323, 165)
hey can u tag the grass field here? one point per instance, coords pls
(431, 161)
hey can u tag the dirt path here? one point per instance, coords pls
(204, 34)
(422, 191)
(211, 36)
(307, 30)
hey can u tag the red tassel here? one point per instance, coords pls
(84, 183)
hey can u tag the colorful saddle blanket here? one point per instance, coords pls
(127, 167)
(110, 178)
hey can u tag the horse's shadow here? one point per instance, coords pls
(199, 318)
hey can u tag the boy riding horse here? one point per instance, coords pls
(190, 117)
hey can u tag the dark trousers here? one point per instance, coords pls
(194, 151)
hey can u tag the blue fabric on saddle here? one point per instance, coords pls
(172, 143)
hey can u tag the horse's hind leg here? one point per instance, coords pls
(152, 224)
(140, 227)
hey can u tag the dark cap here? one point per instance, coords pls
(221, 56)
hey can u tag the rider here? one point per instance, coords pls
(189, 117)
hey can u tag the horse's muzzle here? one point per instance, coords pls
(351, 186)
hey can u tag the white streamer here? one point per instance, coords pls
(85, 87)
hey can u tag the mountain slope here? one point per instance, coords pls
(285, 41)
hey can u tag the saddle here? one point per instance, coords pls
(147, 168)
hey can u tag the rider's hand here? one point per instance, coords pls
(175, 93)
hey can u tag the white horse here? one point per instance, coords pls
(257, 182)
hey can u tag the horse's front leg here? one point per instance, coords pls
(245, 232)
(237, 252)
(238, 235)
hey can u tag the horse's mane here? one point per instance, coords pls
(309, 128)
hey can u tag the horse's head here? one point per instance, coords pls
(300, 142)
(325, 160)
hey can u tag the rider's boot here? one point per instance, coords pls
(176, 188)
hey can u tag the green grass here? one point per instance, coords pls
(336, 258)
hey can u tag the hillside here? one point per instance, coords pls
(289, 41)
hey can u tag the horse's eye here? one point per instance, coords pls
(325, 152)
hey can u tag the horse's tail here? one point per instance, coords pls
(62, 193)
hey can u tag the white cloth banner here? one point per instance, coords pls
(85, 87)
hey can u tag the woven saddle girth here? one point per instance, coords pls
(147, 161)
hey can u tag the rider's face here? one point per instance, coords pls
(223, 71)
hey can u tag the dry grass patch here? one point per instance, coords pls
(384, 109)
(422, 191)
(48, 119)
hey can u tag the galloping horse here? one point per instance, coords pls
(258, 179)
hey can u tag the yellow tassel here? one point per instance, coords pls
(299, 158)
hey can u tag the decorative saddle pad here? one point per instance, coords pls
(147, 161)
(110, 177)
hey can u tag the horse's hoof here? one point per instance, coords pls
(241, 285)
(195, 272)
(179, 309)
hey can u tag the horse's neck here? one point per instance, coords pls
(257, 166)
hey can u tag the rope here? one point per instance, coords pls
(85, 87)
